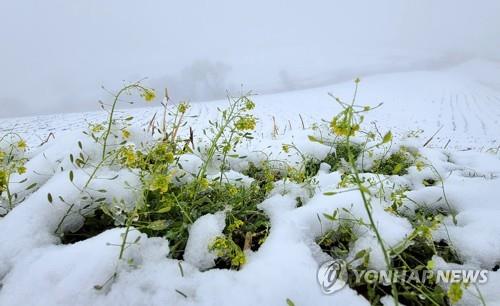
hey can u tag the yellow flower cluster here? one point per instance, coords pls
(183, 107)
(342, 126)
(125, 134)
(96, 128)
(160, 182)
(3, 180)
(148, 94)
(285, 148)
(235, 225)
(203, 183)
(129, 157)
(21, 144)
(249, 104)
(246, 123)
(226, 248)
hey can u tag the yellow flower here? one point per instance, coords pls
(96, 128)
(183, 107)
(245, 123)
(204, 183)
(343, 127)
(232, 190)
(21, 144)
(455, 293)
(285, 148)
(160, 182)
(235, 225)
(148, 95)
(238, 260)
(226, 148)
(420, 165)
(125, 134)
(249, 104)
(3, 179)
(21, 170)
(169, 157)
(129, 157)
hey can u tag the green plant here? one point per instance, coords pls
(341, 154)
(179, 206)
(396, 164)
(264, 174)
(234, 124)
(101, 133)
(227, 250)
(12, 160)
(337, 242)
(172, 199)
(346, 124)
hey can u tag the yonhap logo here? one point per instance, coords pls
(332, 276)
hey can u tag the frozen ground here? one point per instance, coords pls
(462, 102)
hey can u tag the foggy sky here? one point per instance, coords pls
(56, 54)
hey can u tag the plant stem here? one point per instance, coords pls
(224, 157)
(64, 218)
(124, 240)
(9, 195)
(214, 143)
(366, 202)
(112, 112)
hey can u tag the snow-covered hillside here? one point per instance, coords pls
(462, 101)
(446, 121)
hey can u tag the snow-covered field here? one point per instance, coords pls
(463, 100)
(460, 103)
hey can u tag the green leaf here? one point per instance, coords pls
(106, 211)
(157, 225)
(31, 186)
(313, 139)
(164, 209)
(364, 189)
(331, 217)
(397, 168)
(360, 254)
(289, 302)
(71, 176)
(387, 137)
(181, 293)
(49, 197)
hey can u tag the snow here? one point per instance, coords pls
(35, 269)
(457, 99)
(201, 234)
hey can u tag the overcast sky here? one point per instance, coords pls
(56, 54)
